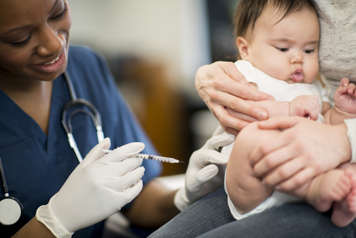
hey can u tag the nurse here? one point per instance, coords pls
(59, 197)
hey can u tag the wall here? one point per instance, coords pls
(172, 32)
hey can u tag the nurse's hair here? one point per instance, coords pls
(248, 11)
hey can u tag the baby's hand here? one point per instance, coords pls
(345, 97)
(307, 106)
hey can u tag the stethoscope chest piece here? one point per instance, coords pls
(10, 211)
(10, 207)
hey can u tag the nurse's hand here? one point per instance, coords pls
(226, 92)
(303, 150)
(98, 187)
(204, 173)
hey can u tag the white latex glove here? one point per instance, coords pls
(97, 188)
(203, 173)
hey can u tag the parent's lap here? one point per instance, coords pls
(210, 217)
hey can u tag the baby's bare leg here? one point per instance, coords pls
(245, 190)
(323, 190)
(338, 187)
(344, 212)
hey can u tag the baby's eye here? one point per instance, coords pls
(282, 49)
(309, 51)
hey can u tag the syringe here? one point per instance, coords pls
(154, 157)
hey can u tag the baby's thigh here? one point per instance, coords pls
(246, 143)
(239, 167)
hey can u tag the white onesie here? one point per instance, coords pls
(281, 91)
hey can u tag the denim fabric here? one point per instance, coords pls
(210, 218)
(202, 216)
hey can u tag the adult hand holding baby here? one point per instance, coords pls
(226, 92)
(303, 150)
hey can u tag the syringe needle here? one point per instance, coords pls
(154, 157)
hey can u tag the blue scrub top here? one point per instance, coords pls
(37, 165)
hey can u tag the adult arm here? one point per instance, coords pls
(34, 228)
(225, 91)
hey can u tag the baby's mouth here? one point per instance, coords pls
(297, 76)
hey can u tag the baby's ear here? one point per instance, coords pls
(242, 46)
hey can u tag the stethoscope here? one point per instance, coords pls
(75, 106)
(11, 207)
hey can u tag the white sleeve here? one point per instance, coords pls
(235, 214)
(351, 134)
(276, 199)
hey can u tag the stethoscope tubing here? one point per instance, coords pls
(11, 204)
(67, 115)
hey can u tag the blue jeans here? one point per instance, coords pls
(210, 217)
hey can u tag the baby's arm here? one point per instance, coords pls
(303, 106)
(345, 103)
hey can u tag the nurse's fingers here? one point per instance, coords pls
(125, 151)
(96, 152)
(126, 181)
(118, 168)
(219, 140)
(130, 193)
(204, 157)
(206, 173)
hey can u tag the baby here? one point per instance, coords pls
(278, 43)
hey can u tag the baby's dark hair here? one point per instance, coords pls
(248, 11)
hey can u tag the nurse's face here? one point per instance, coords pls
(33, 39)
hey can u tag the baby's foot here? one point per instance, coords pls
(344, 212)
(330, 187)
(345, 97)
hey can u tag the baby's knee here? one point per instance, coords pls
(248, 134)
(244, 143)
